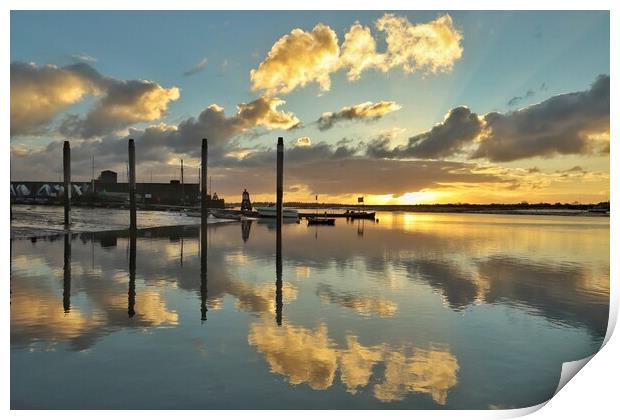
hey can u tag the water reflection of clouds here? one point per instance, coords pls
(309, 356)
(98, 301)
(463, 270)
(429, 371)
(362, 304)
(302, 355)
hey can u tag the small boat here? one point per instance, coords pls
(360, 214)
(271, 211)
(226, 214)
(313, 220)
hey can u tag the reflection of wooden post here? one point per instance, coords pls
(279, 179)
(132, 185)
(66, 289)
(203, 182)
(204, 211)
(131, 294)
(203, 272)
(66, 166)
(279, 192)
(279, 273)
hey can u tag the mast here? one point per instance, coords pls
(182, 185)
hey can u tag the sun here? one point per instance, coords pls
(415, 197)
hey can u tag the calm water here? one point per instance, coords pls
(417, 311)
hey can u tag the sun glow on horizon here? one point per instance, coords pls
(414, 197)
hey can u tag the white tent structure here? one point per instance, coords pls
(46, 190)
(22, 191)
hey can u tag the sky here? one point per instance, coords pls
(401, 107)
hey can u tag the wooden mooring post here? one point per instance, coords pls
(279, 179)
(132, 186)
(204, 209)
(66, 166)
(279, 193)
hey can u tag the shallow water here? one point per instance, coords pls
(416, 311)
(44, 220)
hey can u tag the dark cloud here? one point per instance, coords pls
(157, 144)
(459, 128)
(571, 123)
(515, 100)
(321, 168)
(561, 124)
(366, 111)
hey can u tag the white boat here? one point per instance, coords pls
(271, 211)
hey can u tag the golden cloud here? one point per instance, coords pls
(125, 103)
(147, 105)
(301, 57)
(264, 112)
(39, 93)
(432, 46)
(359, 51)
(297, 59)
(303, 142)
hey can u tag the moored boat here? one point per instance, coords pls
(313, 220)
(360, 214)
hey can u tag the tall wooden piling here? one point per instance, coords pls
(203, 182)
(279, 179)
(66, 166)
(132, 186)
(279, 193)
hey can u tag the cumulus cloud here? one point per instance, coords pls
(125, 103)
(563, 124)
(359, 51)
(297, 59)
(571, 123)
(157, 144)
(459, 127)
(202, 64)
(40, 93)
(366, 111)
(301, 57)
(432, 46)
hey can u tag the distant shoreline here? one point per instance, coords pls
(588, 210)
